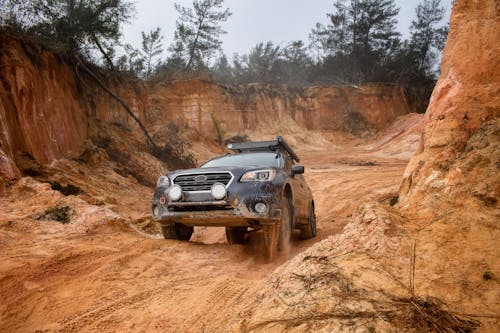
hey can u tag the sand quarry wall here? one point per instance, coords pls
(46, 106)
(458, 158)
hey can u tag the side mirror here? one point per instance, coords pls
(297, 169)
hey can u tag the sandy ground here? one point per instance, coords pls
(95, 276)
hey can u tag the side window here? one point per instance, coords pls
(282, 163)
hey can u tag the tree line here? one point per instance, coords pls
(358, 43)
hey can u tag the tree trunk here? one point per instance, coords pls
(101, 49)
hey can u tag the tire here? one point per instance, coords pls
(309, 230)
(277, 236)
(285, 232)
(168, 231)
(271, 236)
(183, 232)
(177, 231)
(236, 235)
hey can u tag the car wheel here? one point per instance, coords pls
(236, 235)
(278, 235)
(270, 240)
(168, 231)
(183, 232)
(177, 231)
(309, 230)
(285, 231)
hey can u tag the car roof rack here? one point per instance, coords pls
(264, 145)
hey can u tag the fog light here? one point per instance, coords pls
(175, 192)
(156, 211)
(219, 191)
(163, 200)
(260, 207)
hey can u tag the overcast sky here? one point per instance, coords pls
(253, 21)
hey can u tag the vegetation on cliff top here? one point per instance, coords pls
(358, 44)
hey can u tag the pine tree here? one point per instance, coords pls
(261, 63)
(358, 38)
(71, 26)
(222, 69)
(296, 62)
(336, 37)
(198, 31)
(132, 62)
(427, 39)
(151, 49)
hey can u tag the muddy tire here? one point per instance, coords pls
(168, 232)
(285, 232)
(183, 232)
(309, 230)
(277, 236)
(177, 231)
(271, 235)
(236, 235)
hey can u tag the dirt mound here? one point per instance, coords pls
(128, 153)
(30, 203)
(357, 281)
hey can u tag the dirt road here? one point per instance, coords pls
(107, 277)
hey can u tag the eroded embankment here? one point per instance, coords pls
(50, 109)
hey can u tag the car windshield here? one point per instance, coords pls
(248, 159)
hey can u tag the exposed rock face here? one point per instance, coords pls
(459, 152)
(40, 109)
(451, 186)
(47, 107)
(199, 104)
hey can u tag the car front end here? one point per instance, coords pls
(220, 196)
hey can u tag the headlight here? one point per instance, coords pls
(175, 192)
(163, 181)
(259, 176)
(218, 191)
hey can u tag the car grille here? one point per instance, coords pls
(202, 181)
(203, 208)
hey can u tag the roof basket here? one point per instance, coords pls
(263, 146)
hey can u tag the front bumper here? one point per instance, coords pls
(238, 209)
(214, 214)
